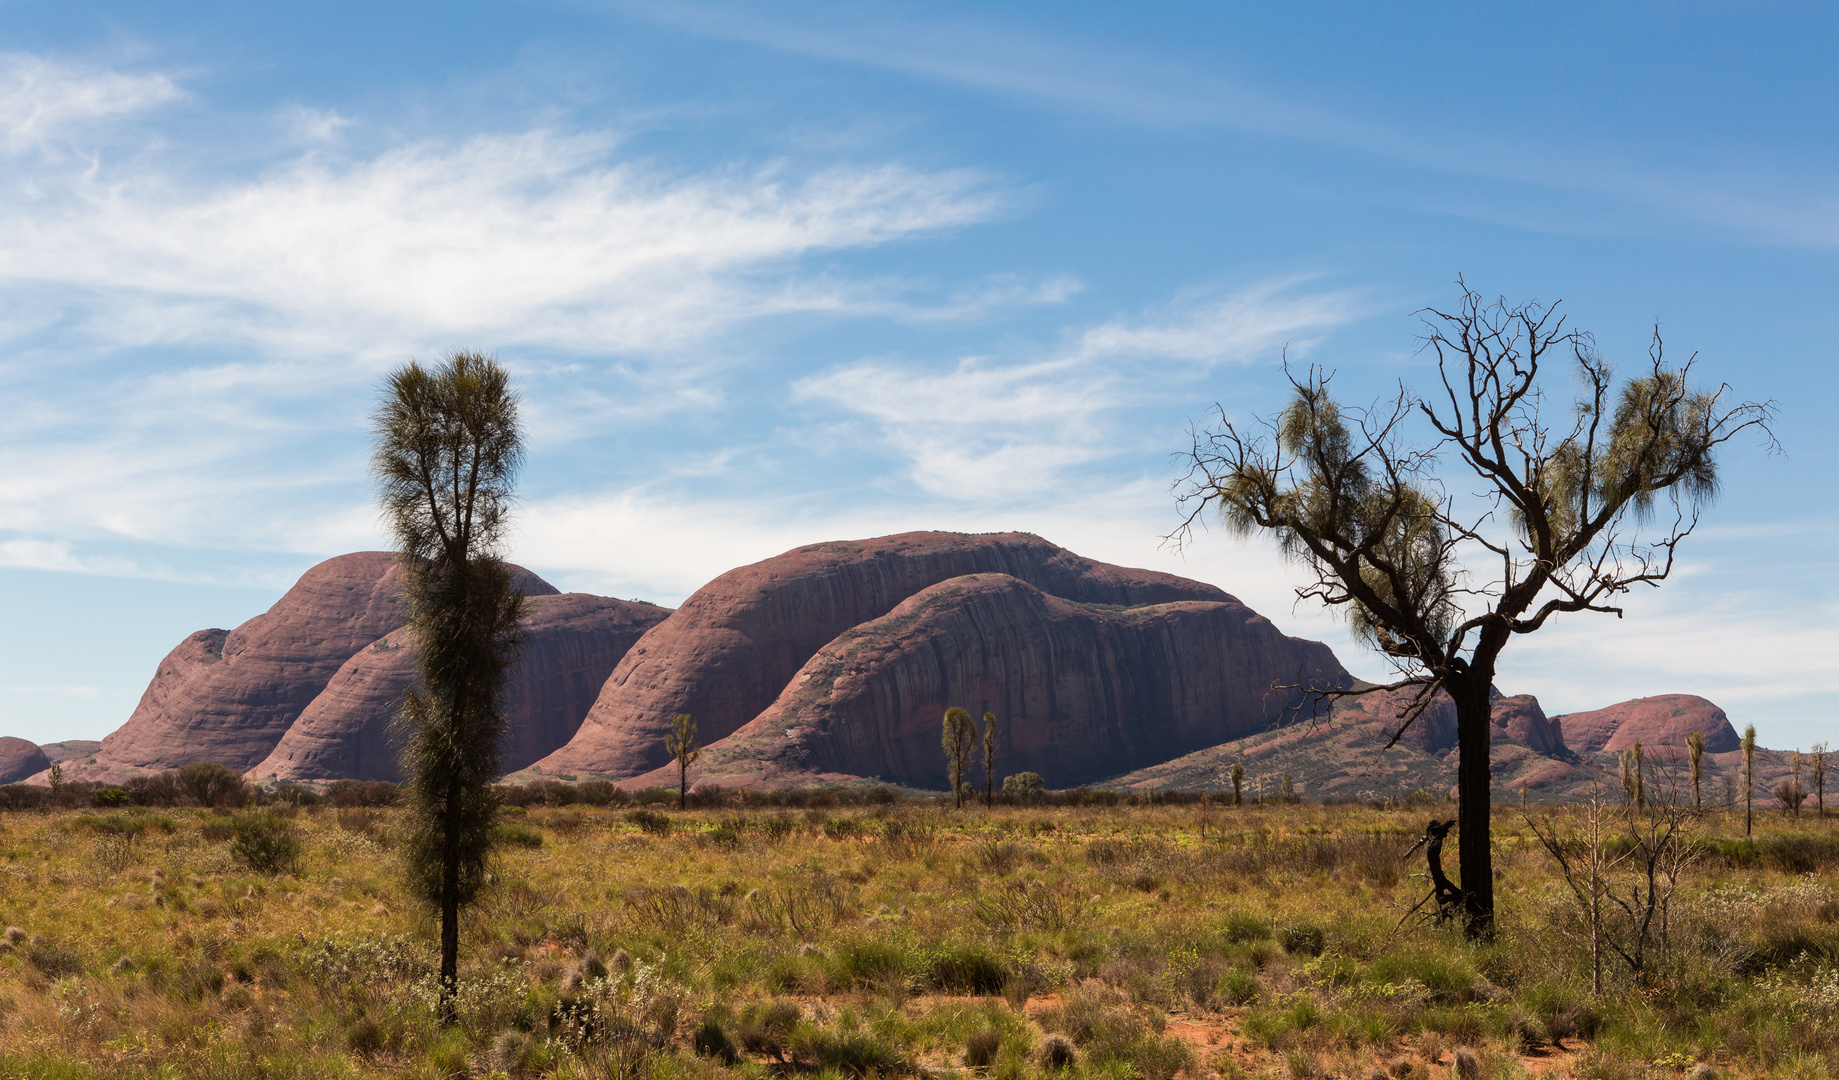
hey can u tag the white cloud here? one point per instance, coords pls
(189, 358)
(533, 239)
(44, 102)
(987, 430)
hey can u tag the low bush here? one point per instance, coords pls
(512, 834)
(349, 793)
(650, 821)
(265, 842)
(966, 970)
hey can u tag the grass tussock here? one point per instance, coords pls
(854, 935)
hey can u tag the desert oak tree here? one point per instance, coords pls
(446, 456)
(684, 748)
(958, 735)
(1563, 508)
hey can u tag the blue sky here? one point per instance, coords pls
(776, 273)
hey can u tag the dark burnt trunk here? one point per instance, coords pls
(450, 902)
(1475, 856)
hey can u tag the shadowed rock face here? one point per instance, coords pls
(1518, 719)
(1081, 692)
(729, 651)
(20, 759)
(571, 643)
(1522, 720)
(1662, 721)
(229, 697)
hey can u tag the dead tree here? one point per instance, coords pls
(1554, 500)
(1446, 893)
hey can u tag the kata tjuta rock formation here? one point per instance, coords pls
(1083, 690)
(19, 759)
(229, 696)
(571, 642)
(1661, 721)
(1344, 752)
(731, 649)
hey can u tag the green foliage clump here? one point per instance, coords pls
(513, 834)
(265, 842)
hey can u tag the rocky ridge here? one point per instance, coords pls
(571, 642)
(730, 650)
(1081, 690)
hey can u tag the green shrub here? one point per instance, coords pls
(872, 962)
(1443, 976)
(981, 1048)
(1057, 1054)
(765, 1027)
(1024, 786)
(109, 796)
(265, 842)
(54, 960)
(712, 1040)
(966, 970)
(650, 820)
(1238, 988)
(1243, 926)
(1302, 938)
(723, 836)
(856, 1053)
(513, 834)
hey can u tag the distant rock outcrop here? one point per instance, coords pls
(19, 759)
(70, 749)
(730, 650)
(571, 643)
(1522, 720)
(1661, 721)
(1081, 691)
(230, 696)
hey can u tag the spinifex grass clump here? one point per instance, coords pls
(1269, 948)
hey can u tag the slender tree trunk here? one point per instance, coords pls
(683, 784)
(1475, 855)
(450, 910)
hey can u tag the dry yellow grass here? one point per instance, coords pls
(1157, 940)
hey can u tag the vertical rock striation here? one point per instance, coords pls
(729, 651)
(571, 643)
(1081, 691)
(229, 697)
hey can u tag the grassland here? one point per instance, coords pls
(1130, 942)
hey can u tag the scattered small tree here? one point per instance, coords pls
(1238, 785)
(446, 457)
(213, 784)
(1791, 795)
(1819, 776)
(1559, 513)
(1695, 749)
(1634, 776)
(1800, 769)
(989, 759)
(1024, 786)
(1658, 844)
(958, 736)
(1749, 777)
(1288, 787)
(684, 747)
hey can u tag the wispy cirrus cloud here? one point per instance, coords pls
(185, 349)
(45, 103)
(537, 239)
(989, 429)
